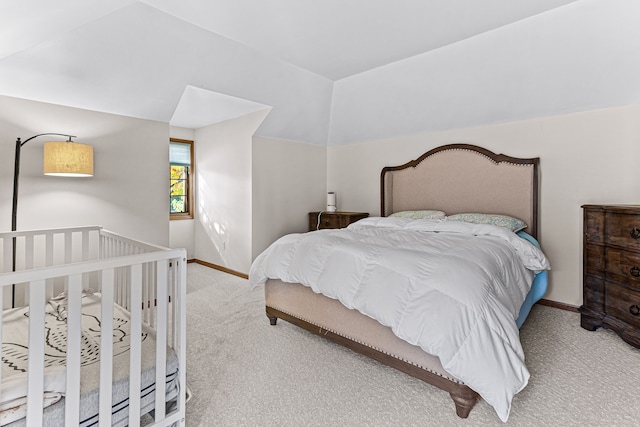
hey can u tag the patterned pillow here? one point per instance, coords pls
(424, 214)
(513, 224)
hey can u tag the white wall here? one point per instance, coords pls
(586, 157)
(223, 183)
(128, 192)
(289, 181)
(182, 232)
(252, 190)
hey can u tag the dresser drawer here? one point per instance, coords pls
(594, 259)
(623, 304)
(623, 266)
(623, 230)
(594, 293)
(594, 226)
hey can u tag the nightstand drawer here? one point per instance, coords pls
(623, 230)
(623, 266)
(329, 221)
(623, 304)
(319, 221)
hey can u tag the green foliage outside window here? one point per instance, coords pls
(181, 179)
(179, 175)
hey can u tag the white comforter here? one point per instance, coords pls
(452, 288)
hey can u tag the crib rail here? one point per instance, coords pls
(29, 249)
(147, 280)
(63, 246)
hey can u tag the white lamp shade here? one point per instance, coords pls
(331, 202)
(68, 159)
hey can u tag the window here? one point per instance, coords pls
(181, 168)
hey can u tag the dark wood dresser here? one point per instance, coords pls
(334, 219)
(611, 270)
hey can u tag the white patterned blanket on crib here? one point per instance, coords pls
(15, 358)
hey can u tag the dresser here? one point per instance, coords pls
(611, 270)
(333, 219)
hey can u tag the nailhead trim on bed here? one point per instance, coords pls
(367, 345)
(479, 154)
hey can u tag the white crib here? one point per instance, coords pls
(140, 287)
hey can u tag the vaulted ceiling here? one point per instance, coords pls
(330, 71)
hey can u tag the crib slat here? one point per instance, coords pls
(35, 366)
(106, 347)
(49, 249)
(7, 251)
(180, 305)
(28, 256)
(74, 332)
(48, 261)
(85, 245)
(161, 338)
(1, 320)
(173, 275)
(86, 254)
(145, 292)
(118, 285)
(135, 346)
(128, 296)
(68, 247)
(153, 295)
(28, 260)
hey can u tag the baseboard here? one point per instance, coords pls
(219, 268)
(560, 305)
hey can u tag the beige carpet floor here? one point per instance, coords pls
(244, 372)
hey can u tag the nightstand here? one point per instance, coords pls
(333, 219)
(611, 270)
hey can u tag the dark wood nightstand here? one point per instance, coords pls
(333, 219)
(611, 270)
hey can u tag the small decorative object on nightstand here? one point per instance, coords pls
(611, 270)
(318, 221)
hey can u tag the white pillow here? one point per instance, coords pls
(422, 214)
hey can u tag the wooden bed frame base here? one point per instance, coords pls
(463, 397)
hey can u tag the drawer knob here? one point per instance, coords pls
(634, 309)
(635, 271)
(635, 233)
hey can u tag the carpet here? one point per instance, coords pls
(244, 372)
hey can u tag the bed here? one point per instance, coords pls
(93, 330)
(305, 284)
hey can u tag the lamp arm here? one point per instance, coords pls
(43, 134)
(16, 173)
(14, 212)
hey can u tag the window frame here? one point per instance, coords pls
(190, 187)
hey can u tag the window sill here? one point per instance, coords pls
(173, 217)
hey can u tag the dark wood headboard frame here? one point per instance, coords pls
(496, 159)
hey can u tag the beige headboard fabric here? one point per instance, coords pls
(461, 178)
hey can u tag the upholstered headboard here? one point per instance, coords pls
(460, 178)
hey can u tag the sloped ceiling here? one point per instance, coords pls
(331, 71)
